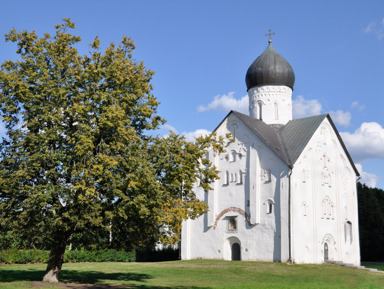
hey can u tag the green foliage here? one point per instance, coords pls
(371, 222)
(152, 255)
(78, 157)
(15, 256)
(99, 256)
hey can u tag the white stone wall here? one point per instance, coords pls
(253, 180)
(324, 202)
(271, 103)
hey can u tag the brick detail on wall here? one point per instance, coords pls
(231, 209)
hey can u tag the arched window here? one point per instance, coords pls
(233, 155)
(269, 204)
(269, 175)
(240, 177)
(260, 105)
(348, 232)
(276, 111)
(226, 178)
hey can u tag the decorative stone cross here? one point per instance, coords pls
(269, 35)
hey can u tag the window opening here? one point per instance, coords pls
(232, 224)
(276, 112)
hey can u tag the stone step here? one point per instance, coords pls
(349, 265)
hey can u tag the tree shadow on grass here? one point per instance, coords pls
(93, 277)
(21, 275)
(87, 278)
(71, 276)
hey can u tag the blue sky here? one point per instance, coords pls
(201, 50)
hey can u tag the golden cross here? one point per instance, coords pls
(269, 35)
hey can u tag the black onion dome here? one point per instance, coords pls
(270, 68)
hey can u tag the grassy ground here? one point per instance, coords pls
(379, 266)
(197, 274)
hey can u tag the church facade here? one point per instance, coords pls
(287, 188)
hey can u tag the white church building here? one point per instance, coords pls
(287, 188)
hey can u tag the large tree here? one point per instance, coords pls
(77, 153)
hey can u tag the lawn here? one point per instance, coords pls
(195, 274)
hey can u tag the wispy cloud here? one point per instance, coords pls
(376, 28)
(192, 135)
(358, 106)
(340, 117)
(226, 102)
(367, 178)
(305, 107)
(189, 135)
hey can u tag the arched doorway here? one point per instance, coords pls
(235, 252)
(328, 249)
(232, 249)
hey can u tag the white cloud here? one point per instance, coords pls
(376, 28)
(190, 136)
(367, 178)
(303, 107)
(358, 106)
(169, 128)
(340, 117)
(366, 142)
(227, 102)
(309, 107)
(165, 129)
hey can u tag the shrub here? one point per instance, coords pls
(153, 255)
(15, 256)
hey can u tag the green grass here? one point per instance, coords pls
(198, 274)
(379, 266)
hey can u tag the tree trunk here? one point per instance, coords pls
(56, 258)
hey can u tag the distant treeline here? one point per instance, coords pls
(371, 223)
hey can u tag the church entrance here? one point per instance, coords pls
(232, 249)
(235, 252)
(326, 257)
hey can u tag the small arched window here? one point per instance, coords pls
(260, 106)
(276, 111)
(270, 204)
(348, 232)
(233, 156)
(226, 178)
(269, 175)
(240, 177)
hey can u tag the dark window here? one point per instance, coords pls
(232, 224)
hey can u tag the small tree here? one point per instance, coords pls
(77, 155)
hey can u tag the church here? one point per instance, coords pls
(287, 188)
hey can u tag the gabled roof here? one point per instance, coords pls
(297, 133)
(288, 141)
(268, 134)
